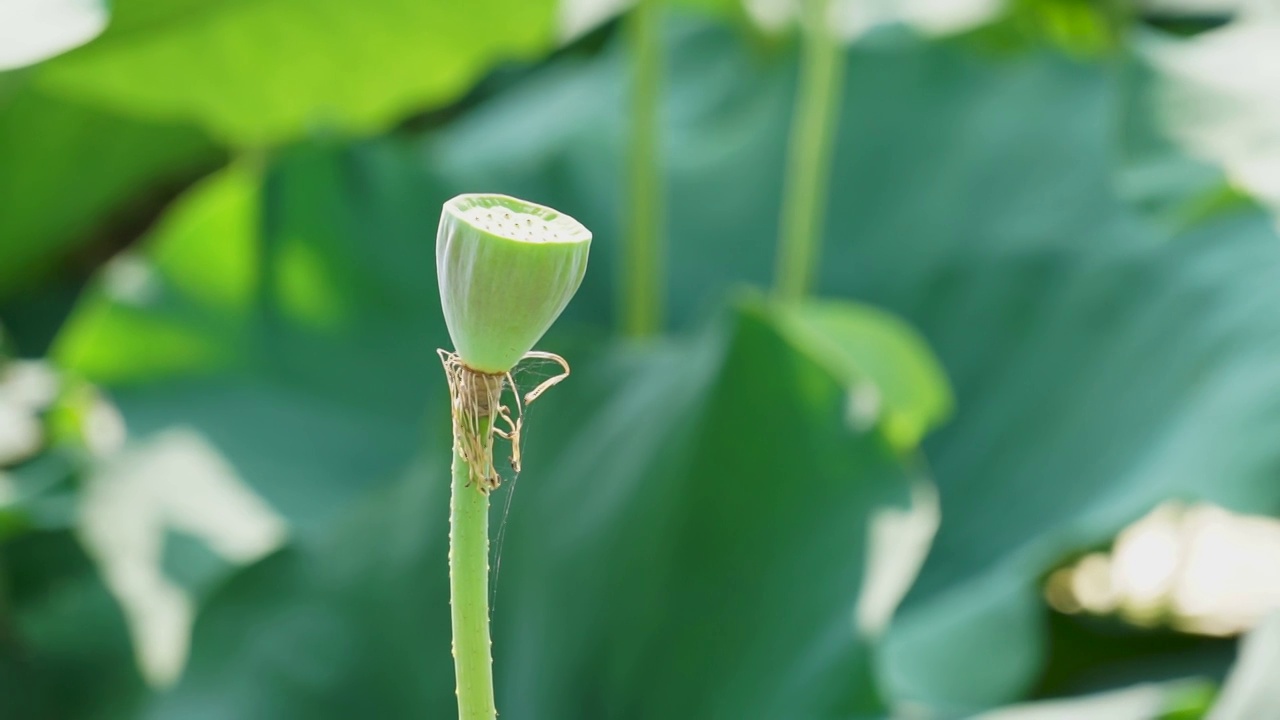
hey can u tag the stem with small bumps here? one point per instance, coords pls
(469, 592)
(506, 269)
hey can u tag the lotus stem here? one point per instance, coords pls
(813, 125)
(641, 286)
(506, 268)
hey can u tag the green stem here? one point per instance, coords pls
(809, 154)
(469, 594)
(641, 285)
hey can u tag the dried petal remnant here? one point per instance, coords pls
(479, 415)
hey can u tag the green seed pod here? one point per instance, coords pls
(507, 268)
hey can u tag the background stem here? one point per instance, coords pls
(6, 622)
(469, 594)
(805, 191)
(642, 253)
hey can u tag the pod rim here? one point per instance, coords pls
(521, 221)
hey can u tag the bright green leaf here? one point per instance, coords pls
(179, 306)
(183, 304)
(263, 72)
(102, 341)
(887, 367)
(207, 245)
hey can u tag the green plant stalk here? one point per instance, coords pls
(642, 271)
(813, 122)
(506, 269)
(469, 593)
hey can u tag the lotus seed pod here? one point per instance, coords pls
(507, 268)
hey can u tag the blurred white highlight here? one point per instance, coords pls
(1091, 583)
(104, 428)
(851, 19)
(26, 388)
(35, 30)
(1251, 691)
(579, 17)
(1201, 569)
(130, 280)
(1219, 96)
(1193, 7)
(863, 406)
(20, 434)
(1145, 561)
(31, 384)
(898, 544)
(175, 480)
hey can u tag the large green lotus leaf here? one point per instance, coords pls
(686, 540)
(261, 72)
(72, 173)
(1101, 363)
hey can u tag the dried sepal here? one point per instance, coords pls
(475, 400)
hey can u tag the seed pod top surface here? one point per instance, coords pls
(507, 268)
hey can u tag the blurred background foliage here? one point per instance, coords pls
(1049, 286)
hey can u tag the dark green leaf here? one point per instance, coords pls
(61, 629)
